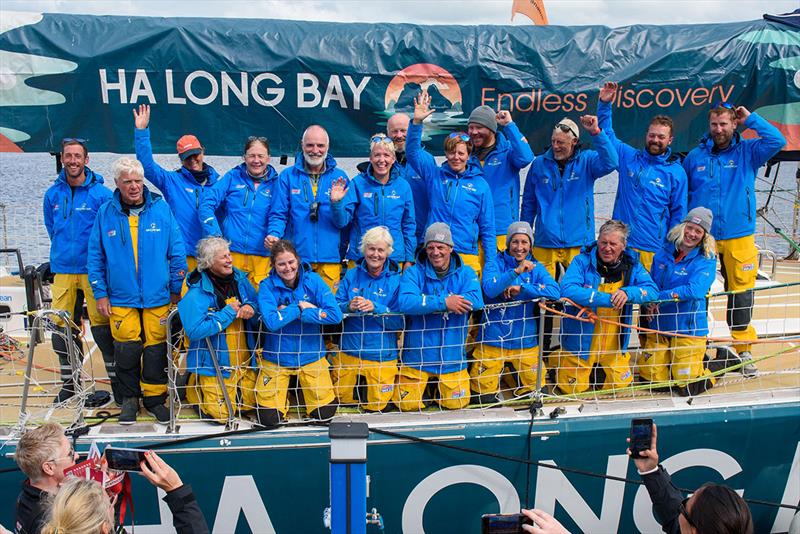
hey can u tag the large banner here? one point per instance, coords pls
(227, 79)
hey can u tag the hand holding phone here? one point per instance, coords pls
(503, 523)
(121, 459)
(644, 456)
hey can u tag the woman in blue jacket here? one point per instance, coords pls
(459, 195)
(245, 195)
(369, 337)
(294, 303)
(510, 333)
(683, 271)
(379, 196)
(219, 306)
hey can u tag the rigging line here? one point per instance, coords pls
(562, 468)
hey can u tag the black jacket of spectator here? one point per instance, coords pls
(666, 499)
(187, 518)
(31, 509)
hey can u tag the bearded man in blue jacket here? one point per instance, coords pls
(651, 194)
(437, 294)
(70, 207)
(722, 177)
(136, 266)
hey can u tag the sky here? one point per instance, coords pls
(611, 13)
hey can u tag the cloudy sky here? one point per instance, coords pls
(561, 12)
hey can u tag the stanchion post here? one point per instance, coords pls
(348, 474)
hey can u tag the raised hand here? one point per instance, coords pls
(741, 114)
(589, 123)
(338, 190)
(422, 108)
(503, 117)
(142, 118)
(608, 92)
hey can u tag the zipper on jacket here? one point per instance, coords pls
(747, 194)
(196, 199)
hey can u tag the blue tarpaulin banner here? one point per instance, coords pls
(226, 79)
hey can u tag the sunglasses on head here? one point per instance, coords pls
(71, 140)
(381, 139)
(726, 105)
(566, 129)
(260, 139)
(459, 135)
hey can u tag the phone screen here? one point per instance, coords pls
(124, 459)
(641, 436)
(503, 523)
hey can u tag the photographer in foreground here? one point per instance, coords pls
(83, 506)
(712, 509)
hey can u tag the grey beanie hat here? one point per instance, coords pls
(485, 116)
(700, 216)
(440, 233)
(519, 227)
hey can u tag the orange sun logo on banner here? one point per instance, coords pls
(533, 9)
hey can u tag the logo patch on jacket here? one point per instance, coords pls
(730, 165)
(112, 233)
(748, 267)
(153, 228)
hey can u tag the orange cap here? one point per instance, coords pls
(188, 145)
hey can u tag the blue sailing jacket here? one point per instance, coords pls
(113, 271)
(202, 318)
(369, 203)
(514, 326)
(580, 284)
(420, 194)
(316, 241)
(463, 201)
(434, 339)
(247, 209)
(689, 283)
(294, 336)
(652, 191)
(725, 181)
(560, 206)
(180, 189)
(69, 217)
(371, 336)
(501, 171)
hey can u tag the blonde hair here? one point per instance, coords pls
(708, 245)
(375, 234)
(36, 447)
(80, 507)
(127, 165)
(384, 141)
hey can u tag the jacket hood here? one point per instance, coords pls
(422, 259)
(390, 266)
(501, 146)
(299, 160)
(241, 171)
(591, 249)
(149, 198)
(277, 281)
(91, 178)
(200, 279)
(708, 143)
(394, 174)
(473, 169)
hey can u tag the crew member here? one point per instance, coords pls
(294, 303)
(722, 177)
(377, 197)
(501, 155)
(245, 195)
(42, 454)
(608, 279)
(651, 194)
(369, 339)
(558, 200)
(397, 128)
(136, 266)
(683, 270)
(302, 209)
(219, 306)
(70, 207)
(184, 188)
(459, 196)
(510, 334)
(437, 294)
